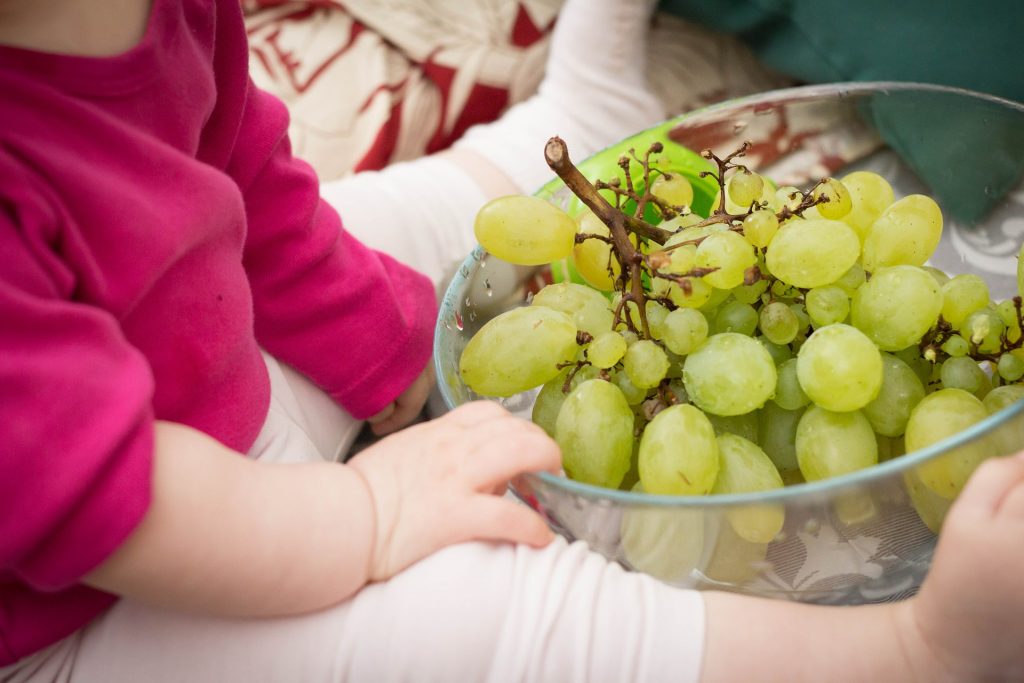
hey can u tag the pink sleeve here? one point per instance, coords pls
(355, 321)
(76, 437)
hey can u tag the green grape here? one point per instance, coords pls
(685, 330)
(750, 294)
(812, 253)
(939, 276)
(697, 295)
(930, 507)
(788, 392)
(551, 396)
(840, 368)
(630, 336)
(962, 295)
(730, 560)
(955, 346)
(962, 373)
(916, 362)
(984, 329)
(889, 447)
(901, 390)
(1010, 367)
(1003, 396)
(905, 234)
(645, 363)
(525, 230)
(729, 254)
(593, 257)
(854, 507)
(777, 436)
(778, 323)
(548, 402)
(745, 188)
(588, 308)
(827, 305)
(760, 227)
(801, 315)
(680, 222)
(729, 374)
(681, 259)
(851, 279)
(940, 415)
(1020, 271)
(1007, 312)
(606, 349)
(717, 298)
(594, 430)
(634, 394)
(518, 350)
(745, 468)
(781, 290)
(656, 314)
(839, 202)
(896, 306)
(787, 196)
(830, 444)
(780, 353)
(673, 189)
(679, 453)
(745, 425)
(870, 195)
(736, 317)
(667, 544)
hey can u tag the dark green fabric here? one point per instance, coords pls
(974, 44)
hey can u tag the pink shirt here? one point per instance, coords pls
(154, 231)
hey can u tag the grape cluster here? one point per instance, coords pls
(791, 335)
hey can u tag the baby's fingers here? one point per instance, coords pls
(996, 487)
(510, 450)
(490, 518)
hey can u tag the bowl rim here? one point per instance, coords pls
(809, 490)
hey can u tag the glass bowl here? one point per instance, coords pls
(863, 537)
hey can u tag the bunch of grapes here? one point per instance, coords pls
(791, 335)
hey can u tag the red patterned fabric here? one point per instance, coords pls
(371, 83)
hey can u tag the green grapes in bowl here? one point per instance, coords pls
(773, 338)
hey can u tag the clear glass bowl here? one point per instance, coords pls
(863, 537)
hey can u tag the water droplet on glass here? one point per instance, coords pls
(739, 126)
(811, 526)
(487, 286)
(472, 315)
(483, 264)
(458, 320)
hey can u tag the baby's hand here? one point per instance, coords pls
(970, 611)
(406, 407)
(442, 482)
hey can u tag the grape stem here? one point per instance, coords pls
(557, 156)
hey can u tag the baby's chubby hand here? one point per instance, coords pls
(406, 407)
(442, 482)
(969, 615)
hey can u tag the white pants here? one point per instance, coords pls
(471, 612)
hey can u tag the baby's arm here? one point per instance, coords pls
(966, 624)
(228, 535)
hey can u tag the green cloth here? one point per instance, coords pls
(973, 44)
(977, 45)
